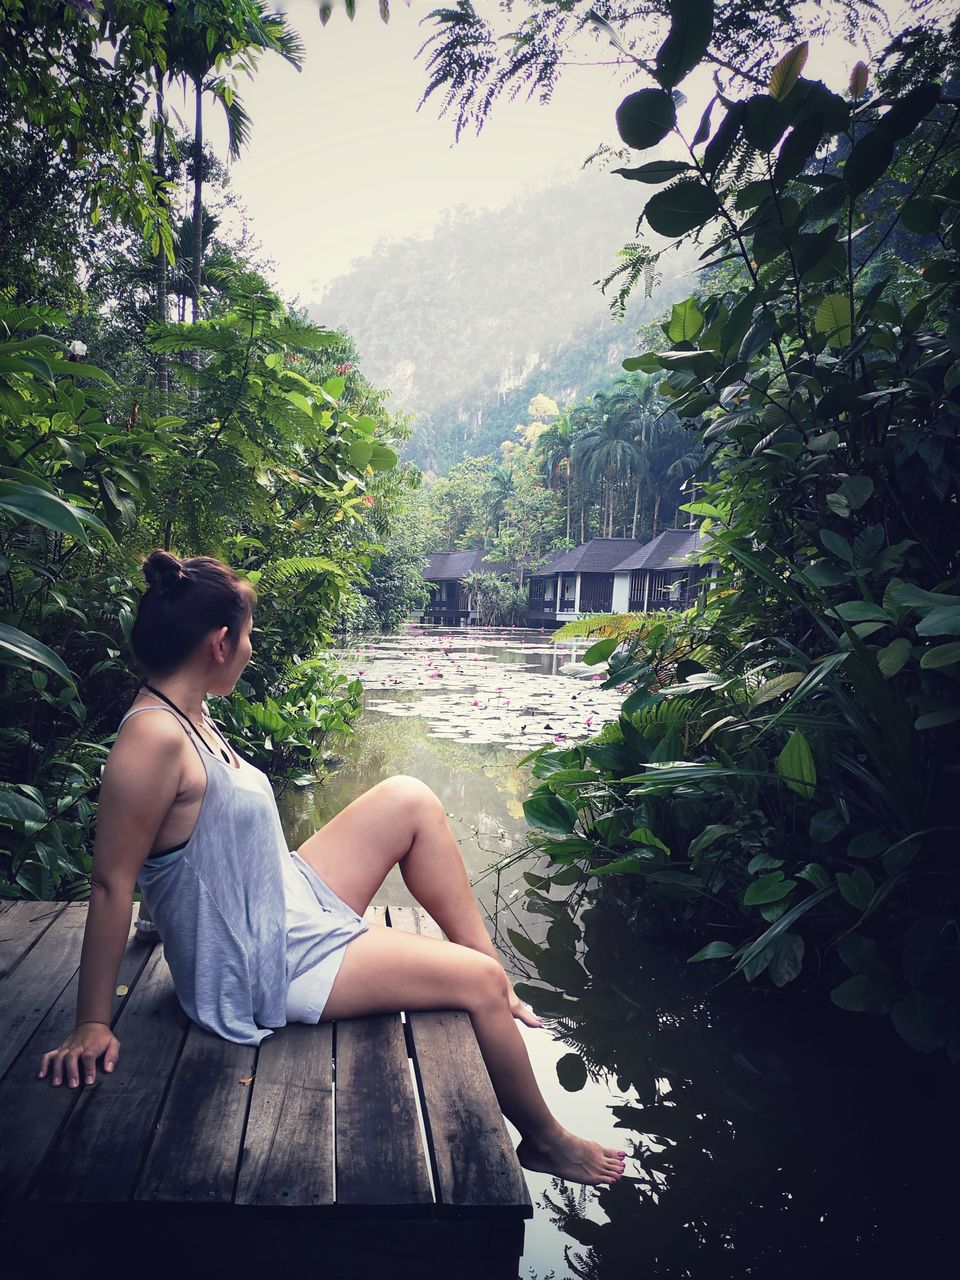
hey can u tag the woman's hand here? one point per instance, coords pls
(84, 1045)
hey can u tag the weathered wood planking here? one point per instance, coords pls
(475, 1166)
(287, 1157)
(107, 1134)
(34, 985)
(21, 923)
(196, 1150)
(228, 1152)
(32, 1112)
(379, 1155)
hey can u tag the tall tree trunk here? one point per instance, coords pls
(582, 535)
(159, 156)
(656, 510)
(636, 508)
(197, 222)
(568, 499)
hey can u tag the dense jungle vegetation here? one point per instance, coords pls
(779, 781)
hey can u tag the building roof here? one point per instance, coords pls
(454, 566)
(599, 555)
(672, 549)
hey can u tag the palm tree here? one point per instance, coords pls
(205, 37)
(607, 452)
(553, 448)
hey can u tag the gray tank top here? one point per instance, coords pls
(219, 905)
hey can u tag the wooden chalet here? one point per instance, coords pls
(666, 573)
(450, 603)
(619, 575)
(581, 581)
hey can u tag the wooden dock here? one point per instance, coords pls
(371, 1141)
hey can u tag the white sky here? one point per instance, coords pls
(340, 158)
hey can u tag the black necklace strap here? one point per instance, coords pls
(173, 707)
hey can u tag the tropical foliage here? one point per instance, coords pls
(249, 433)
(780, 778)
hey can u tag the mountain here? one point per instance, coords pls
(465, 326)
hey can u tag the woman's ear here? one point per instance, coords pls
(221, 645)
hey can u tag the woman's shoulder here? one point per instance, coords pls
(151, 727)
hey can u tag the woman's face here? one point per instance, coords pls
(236, 660)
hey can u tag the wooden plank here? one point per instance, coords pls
(196, 1150)
(34, 986)
(21, 924)
(474, 1164)
(31, 1111)
(288, 1145)
(107, 1134)
(379, 1154)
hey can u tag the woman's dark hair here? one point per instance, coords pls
(184, 600)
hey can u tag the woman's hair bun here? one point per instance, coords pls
(163, 572)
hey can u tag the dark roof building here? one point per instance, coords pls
(454, 566)
(599, 555)
(672, 549)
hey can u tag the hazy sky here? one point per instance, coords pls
(340, 158)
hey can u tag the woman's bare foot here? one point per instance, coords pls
(576, 1159)
(522, 1012)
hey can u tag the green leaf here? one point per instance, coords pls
(600, 651)
(24, 646)
(645, 118)
(15, 807)
(796, 766)
(689, 203)
(768, 888)
(550, 812)
(787, 71)
(921, 215)
(944, 655)
(838, 546)
(654, 173)
(861, 955)
(691, 26)
(787, 959)
(686, 321)
(918, 1019)
(525, 946)
(856, 887)
(758, 336)
(893, 656)
(941, 622)
(868, 160)
(833, 318)
(863, 994)
(907, 112)
(859, 78)
(571, 1072)
(713, 951)
(647, 363)
(860, 611)
(644, 836)
(764, 122)
(46, 509)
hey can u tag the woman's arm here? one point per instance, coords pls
(140, 783)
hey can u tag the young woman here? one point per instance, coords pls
(256, 936)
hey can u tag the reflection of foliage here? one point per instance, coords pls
(739, 1137)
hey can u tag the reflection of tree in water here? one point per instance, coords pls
(768, 1135)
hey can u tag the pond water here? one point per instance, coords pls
(767, 1135)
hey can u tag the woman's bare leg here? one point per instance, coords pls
(387, 969)
(400, 821)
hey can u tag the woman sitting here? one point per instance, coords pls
(256, 936)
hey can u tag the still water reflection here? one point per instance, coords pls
(767, 1136)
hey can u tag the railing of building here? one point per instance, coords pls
(596, 592)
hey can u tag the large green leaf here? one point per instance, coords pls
(654, 173)
(47, 509)
(768, 888)
(833, 318)
(868, 160)
(686, 321)
(15, 807)
(764, 122)
(645, 118)
(758, 337)
(796, 766)
(550, 812)
(689, 203)
(863, 994)
(24, 646)
(787, 71)
(691, 26)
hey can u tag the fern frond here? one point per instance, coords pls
(281, 572)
